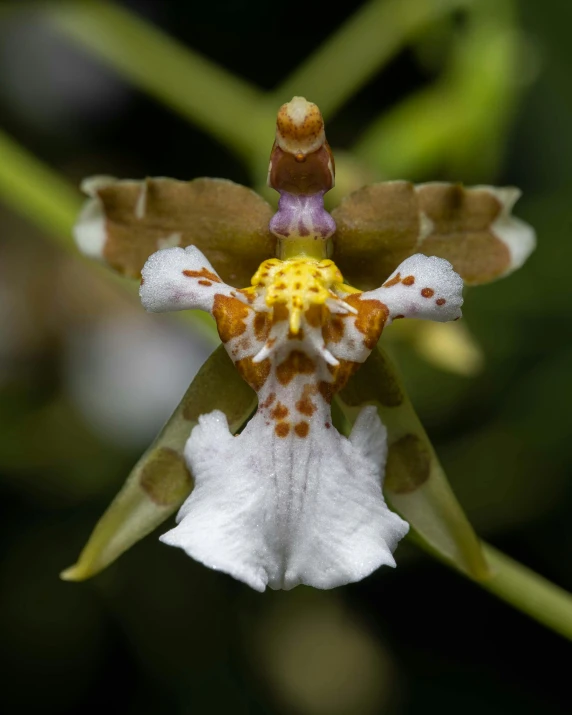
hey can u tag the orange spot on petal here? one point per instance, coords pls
(341, 374)
(230, 315)
(297, 363)
(302, 429)
(370, 319)
(203, 273)
(305, 405)
(393, 282)
(282, 429)
(314, 315)
(255, 373)
(261, 325)
(279, 412)
(333, 330)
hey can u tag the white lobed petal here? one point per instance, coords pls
(519, 237)
(283, 512)
(89, 230)
(428, 289)
(165, 286)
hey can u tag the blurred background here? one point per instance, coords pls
(478, 92)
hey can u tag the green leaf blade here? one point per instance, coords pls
(160, 482)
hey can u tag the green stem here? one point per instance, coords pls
(37, 193)
(400, 145)
(528, 592)
(348, 59)
(429, 129)
(223, 105)
(519, 586)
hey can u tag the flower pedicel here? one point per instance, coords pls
(289, 500)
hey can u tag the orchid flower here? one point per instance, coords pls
(290, 500)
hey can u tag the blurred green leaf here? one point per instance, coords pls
(38, 193)
(529, 592)
(160, 481)
(368, 40)
(459, 124)
(222, 104)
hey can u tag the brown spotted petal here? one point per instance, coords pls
(415, 484)
(380, 225)
(125, 221)
(424, 287)
(160, 481)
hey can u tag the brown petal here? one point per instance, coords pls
(126, 221)
(380, 225)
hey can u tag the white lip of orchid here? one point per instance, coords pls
(291, 501)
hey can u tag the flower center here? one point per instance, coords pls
(298, 286)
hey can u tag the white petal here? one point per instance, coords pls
(519, 237)
(281, 512)
(424, 287)
(92, 184)
(89, 230)
(180, 279)
(369, 436)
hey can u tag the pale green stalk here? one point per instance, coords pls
(37, 193)
(460, 122)
(518, 586)
(48, 201)
(222, 104)
(348, 59)
(528, 592)
(408, 140)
